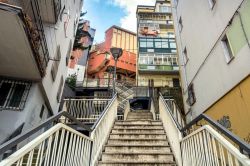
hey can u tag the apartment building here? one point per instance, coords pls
(35, 44)
(101, 59)
(215, 60)
(157, 54)
(81, 49)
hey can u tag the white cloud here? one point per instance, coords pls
(129, 20)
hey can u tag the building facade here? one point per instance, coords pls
(157, 62)
(82, 46)
(35, 45)
(101, 60)
(215, 60)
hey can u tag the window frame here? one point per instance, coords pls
(10, 96)
(227, 49)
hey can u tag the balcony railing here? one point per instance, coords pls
(101, 82)
(159, 68)
(35, 30)
(33, 26)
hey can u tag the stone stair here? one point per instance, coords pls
(139, 141)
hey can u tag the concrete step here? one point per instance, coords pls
(138, 127)
(140, 112)
(143, 157)
(138, 122)
(110, 163)
(137, 136)
(142, 131)
(139, 118)
(125, 142)
(137, 148)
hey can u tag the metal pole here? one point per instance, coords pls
(114, 78)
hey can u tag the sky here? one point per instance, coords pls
(102, 14)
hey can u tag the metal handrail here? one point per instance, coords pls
(243, 146)
(104, 112)
(13, 142)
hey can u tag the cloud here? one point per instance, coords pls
(129, 6)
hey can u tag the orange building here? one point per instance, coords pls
(100, 57)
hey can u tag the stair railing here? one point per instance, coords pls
(203, 145)
(101, 130)
(25, 138)
(85, 110)
(60, 144)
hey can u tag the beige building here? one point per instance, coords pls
(157, 62)
(215, 60)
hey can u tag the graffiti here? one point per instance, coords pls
(247, 139)
(225, 122)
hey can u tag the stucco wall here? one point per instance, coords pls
(207, 68)
(233, 110)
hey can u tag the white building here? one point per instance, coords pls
(35, 44)
(213, 37)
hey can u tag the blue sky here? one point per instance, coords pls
(102, 14)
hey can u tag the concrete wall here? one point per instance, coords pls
(44, 92)
(10, 120)
(207, 68)
(55, 35)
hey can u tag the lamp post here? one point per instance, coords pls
(110, 70)
(116, 53)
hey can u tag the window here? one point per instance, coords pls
(13, 94)
(41, 112)
(150, 43)
(69, 52)
(191, 96)
(176, 82)
(211, 3)
(164, 44)
(227, 49)
(143, 44)
(164, 9)
(185, 56)
(180, 25)
(172, 45)
(59, 92)
(56, 63)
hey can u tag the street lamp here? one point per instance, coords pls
(110, 70)
(116, 53)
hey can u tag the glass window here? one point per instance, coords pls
(17, 95)
(143, 60)
(172, 45)
(165, 61)
(150, 44)
(164, 44)
(151, 59)
(4, 91)
(143, 44)
(157, 44)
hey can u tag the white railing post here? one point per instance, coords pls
(102, 130)
(205, 146)
(172, 131)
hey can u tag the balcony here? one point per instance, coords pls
(24, 53)
(159, 63)
(50, 10)
(159, 69)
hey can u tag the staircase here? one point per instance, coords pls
(124, 94)
(139, 140)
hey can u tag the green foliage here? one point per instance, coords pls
(71, 81)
